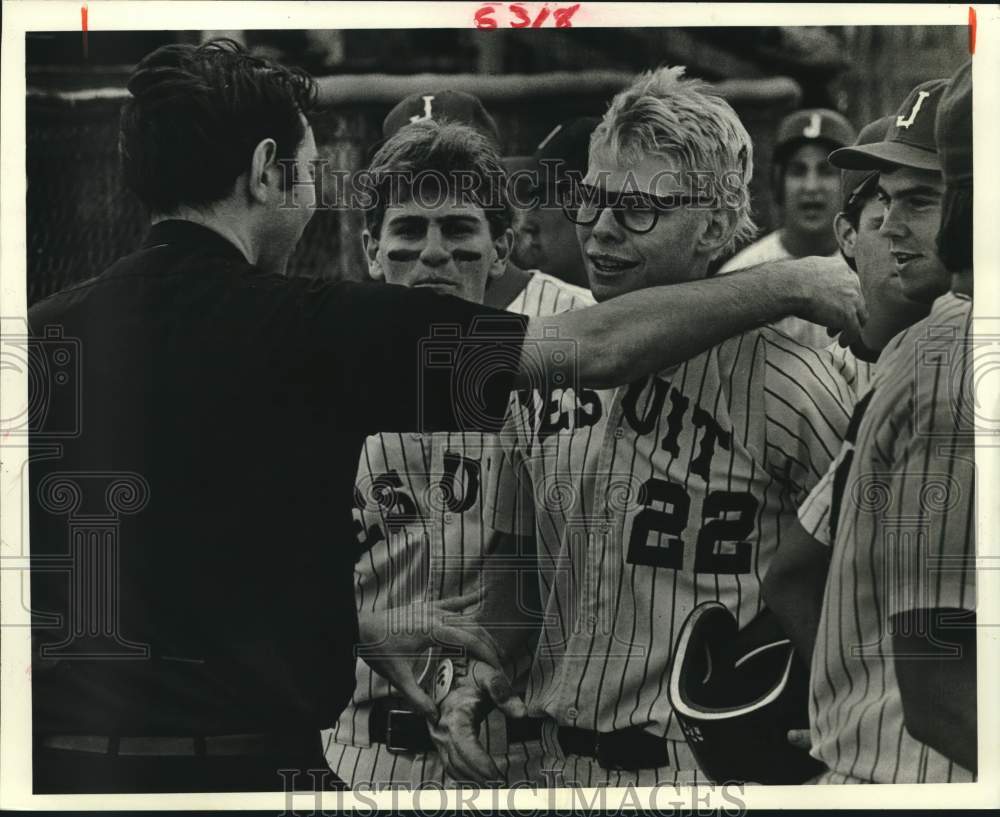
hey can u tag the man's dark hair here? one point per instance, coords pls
(855, 203)
(197, 113)
(428, 159)
(852, 210)
(954, 238)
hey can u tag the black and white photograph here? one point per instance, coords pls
(498, 401)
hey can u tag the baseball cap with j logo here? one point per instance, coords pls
(909, 141)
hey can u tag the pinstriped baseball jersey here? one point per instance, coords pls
(770, 248)
(419, 514)
(904, 540)
(547, 295)
(814, 513)
(679, 493)
(855, 371)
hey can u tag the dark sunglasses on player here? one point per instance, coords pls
(634, 210)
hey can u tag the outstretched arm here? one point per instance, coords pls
(630, 336)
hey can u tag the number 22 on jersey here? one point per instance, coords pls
(656, 540)
(656, 536)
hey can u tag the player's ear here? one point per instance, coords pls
(716, 229)
(502, 246)
(370, 245)
(264, 171)
(847, 236)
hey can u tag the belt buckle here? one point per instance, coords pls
(616, 752)
(389, 745)
(602, 753)
(607, 750)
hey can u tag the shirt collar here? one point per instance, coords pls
(188, 233)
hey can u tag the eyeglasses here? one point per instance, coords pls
(637, 212)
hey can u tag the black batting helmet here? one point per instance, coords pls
(736, 693)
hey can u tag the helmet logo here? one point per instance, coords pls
(428, 114)
(905, 123)
(811, 131)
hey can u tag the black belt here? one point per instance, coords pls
(521, 730)
(157, 746)
(394, 724)
(399, 728)
(624, 750)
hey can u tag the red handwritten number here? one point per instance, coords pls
(484, 18)
(563, 16)
(523, 20)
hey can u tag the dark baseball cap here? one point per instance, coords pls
(909, 142)
(953, 129)
(854, 183)
(453, 106)
(812, 125)
(565, 149)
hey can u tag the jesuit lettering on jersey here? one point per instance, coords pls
(453, 490)
(563, 410)
(713, 434)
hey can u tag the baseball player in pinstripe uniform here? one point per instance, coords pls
(805, 188)
(893, 671)
(418, 515)
(418, 498)
(547, 294)
(680, 489)
(794, 585)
